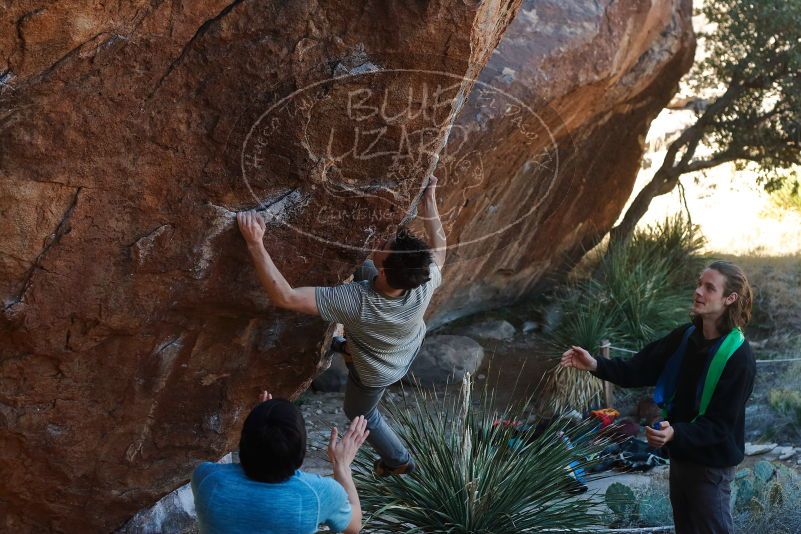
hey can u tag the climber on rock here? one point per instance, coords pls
(382, 311)
(704, 373)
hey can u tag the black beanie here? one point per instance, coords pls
(273, 441)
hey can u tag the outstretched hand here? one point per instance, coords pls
(252, 226)
(342, 452)
(578, 358)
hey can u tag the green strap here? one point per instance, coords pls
(733, 341)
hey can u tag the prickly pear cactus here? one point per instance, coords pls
(620, 499)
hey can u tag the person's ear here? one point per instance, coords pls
(731, 299)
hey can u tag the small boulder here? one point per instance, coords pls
(334, 378)
(784, 453)
(445, 359)
(494, 329)
(753, 449)
(530, 326)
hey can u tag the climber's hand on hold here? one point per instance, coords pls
(428, 205)
(265, 396)
(252, 226)
(432, 223)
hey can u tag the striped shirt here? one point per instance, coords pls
(384, 333)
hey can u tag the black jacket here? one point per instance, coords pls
(717, 438)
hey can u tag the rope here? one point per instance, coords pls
(666, 528)
(643, 530)
(621, 349)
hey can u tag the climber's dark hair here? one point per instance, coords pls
(407, 263)
(273, 441)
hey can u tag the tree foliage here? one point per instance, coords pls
(753, 66)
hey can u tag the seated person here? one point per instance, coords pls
(267, 492)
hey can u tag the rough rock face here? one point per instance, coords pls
(134, 335)
(551, 139)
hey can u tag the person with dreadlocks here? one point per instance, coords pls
(382, 311)
(704, 373)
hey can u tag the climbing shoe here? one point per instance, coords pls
(380, 469)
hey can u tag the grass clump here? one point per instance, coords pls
(479, 471)
(786, 402)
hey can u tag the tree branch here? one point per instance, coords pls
(667, 176)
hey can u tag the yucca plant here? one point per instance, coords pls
(639, 291)
(676, 241)
(479, 471)
(565, 388)
(586, 322)
(643, 299)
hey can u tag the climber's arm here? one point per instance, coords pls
(432, 222)
(281, 294)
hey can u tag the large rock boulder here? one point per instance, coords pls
(445, 359)
(546, 151)
(134, 336)
(491, 329)
(333, 379)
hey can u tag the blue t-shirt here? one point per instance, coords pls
(227, 501)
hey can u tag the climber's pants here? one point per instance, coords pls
(363, 400)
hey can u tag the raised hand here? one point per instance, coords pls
(265, 396)
(578, 358)
(342, 452)
(431, 188)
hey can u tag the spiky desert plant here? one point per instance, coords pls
(479, 471)
(674, 240)
(565, 389)
(643, 299)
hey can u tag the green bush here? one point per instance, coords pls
(764, 499)
(641, 508)
(643, 299)
(788, 196)
(477, 474)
